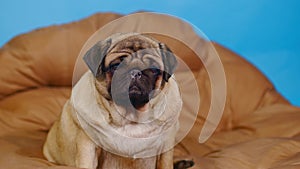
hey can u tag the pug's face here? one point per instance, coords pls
(134, 68)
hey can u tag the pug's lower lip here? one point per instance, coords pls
(134, 90)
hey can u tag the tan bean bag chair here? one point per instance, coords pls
(259, 128)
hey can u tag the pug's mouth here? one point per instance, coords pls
(138, 96)
(135, 90)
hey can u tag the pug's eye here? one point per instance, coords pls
(115, 64)
(155, 71)
(122, 57)
(114, 67)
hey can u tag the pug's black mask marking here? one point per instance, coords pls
(135, 85)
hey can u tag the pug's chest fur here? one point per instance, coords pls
(139, 130)
(136, 124)
(109, 160)
(132, 129)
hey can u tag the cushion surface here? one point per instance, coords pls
(259, 128)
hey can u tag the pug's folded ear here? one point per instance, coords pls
(95, 56)
(169, 60)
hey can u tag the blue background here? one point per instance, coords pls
(265, 32)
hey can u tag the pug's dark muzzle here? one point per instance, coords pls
(133, 85)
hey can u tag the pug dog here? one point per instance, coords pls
(123, 112)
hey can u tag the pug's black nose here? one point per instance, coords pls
(135, 74)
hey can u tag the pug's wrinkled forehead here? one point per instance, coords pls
(130, 45)
(135, 46)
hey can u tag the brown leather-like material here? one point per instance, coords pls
(259, 128)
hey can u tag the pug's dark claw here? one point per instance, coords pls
(183, 164)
